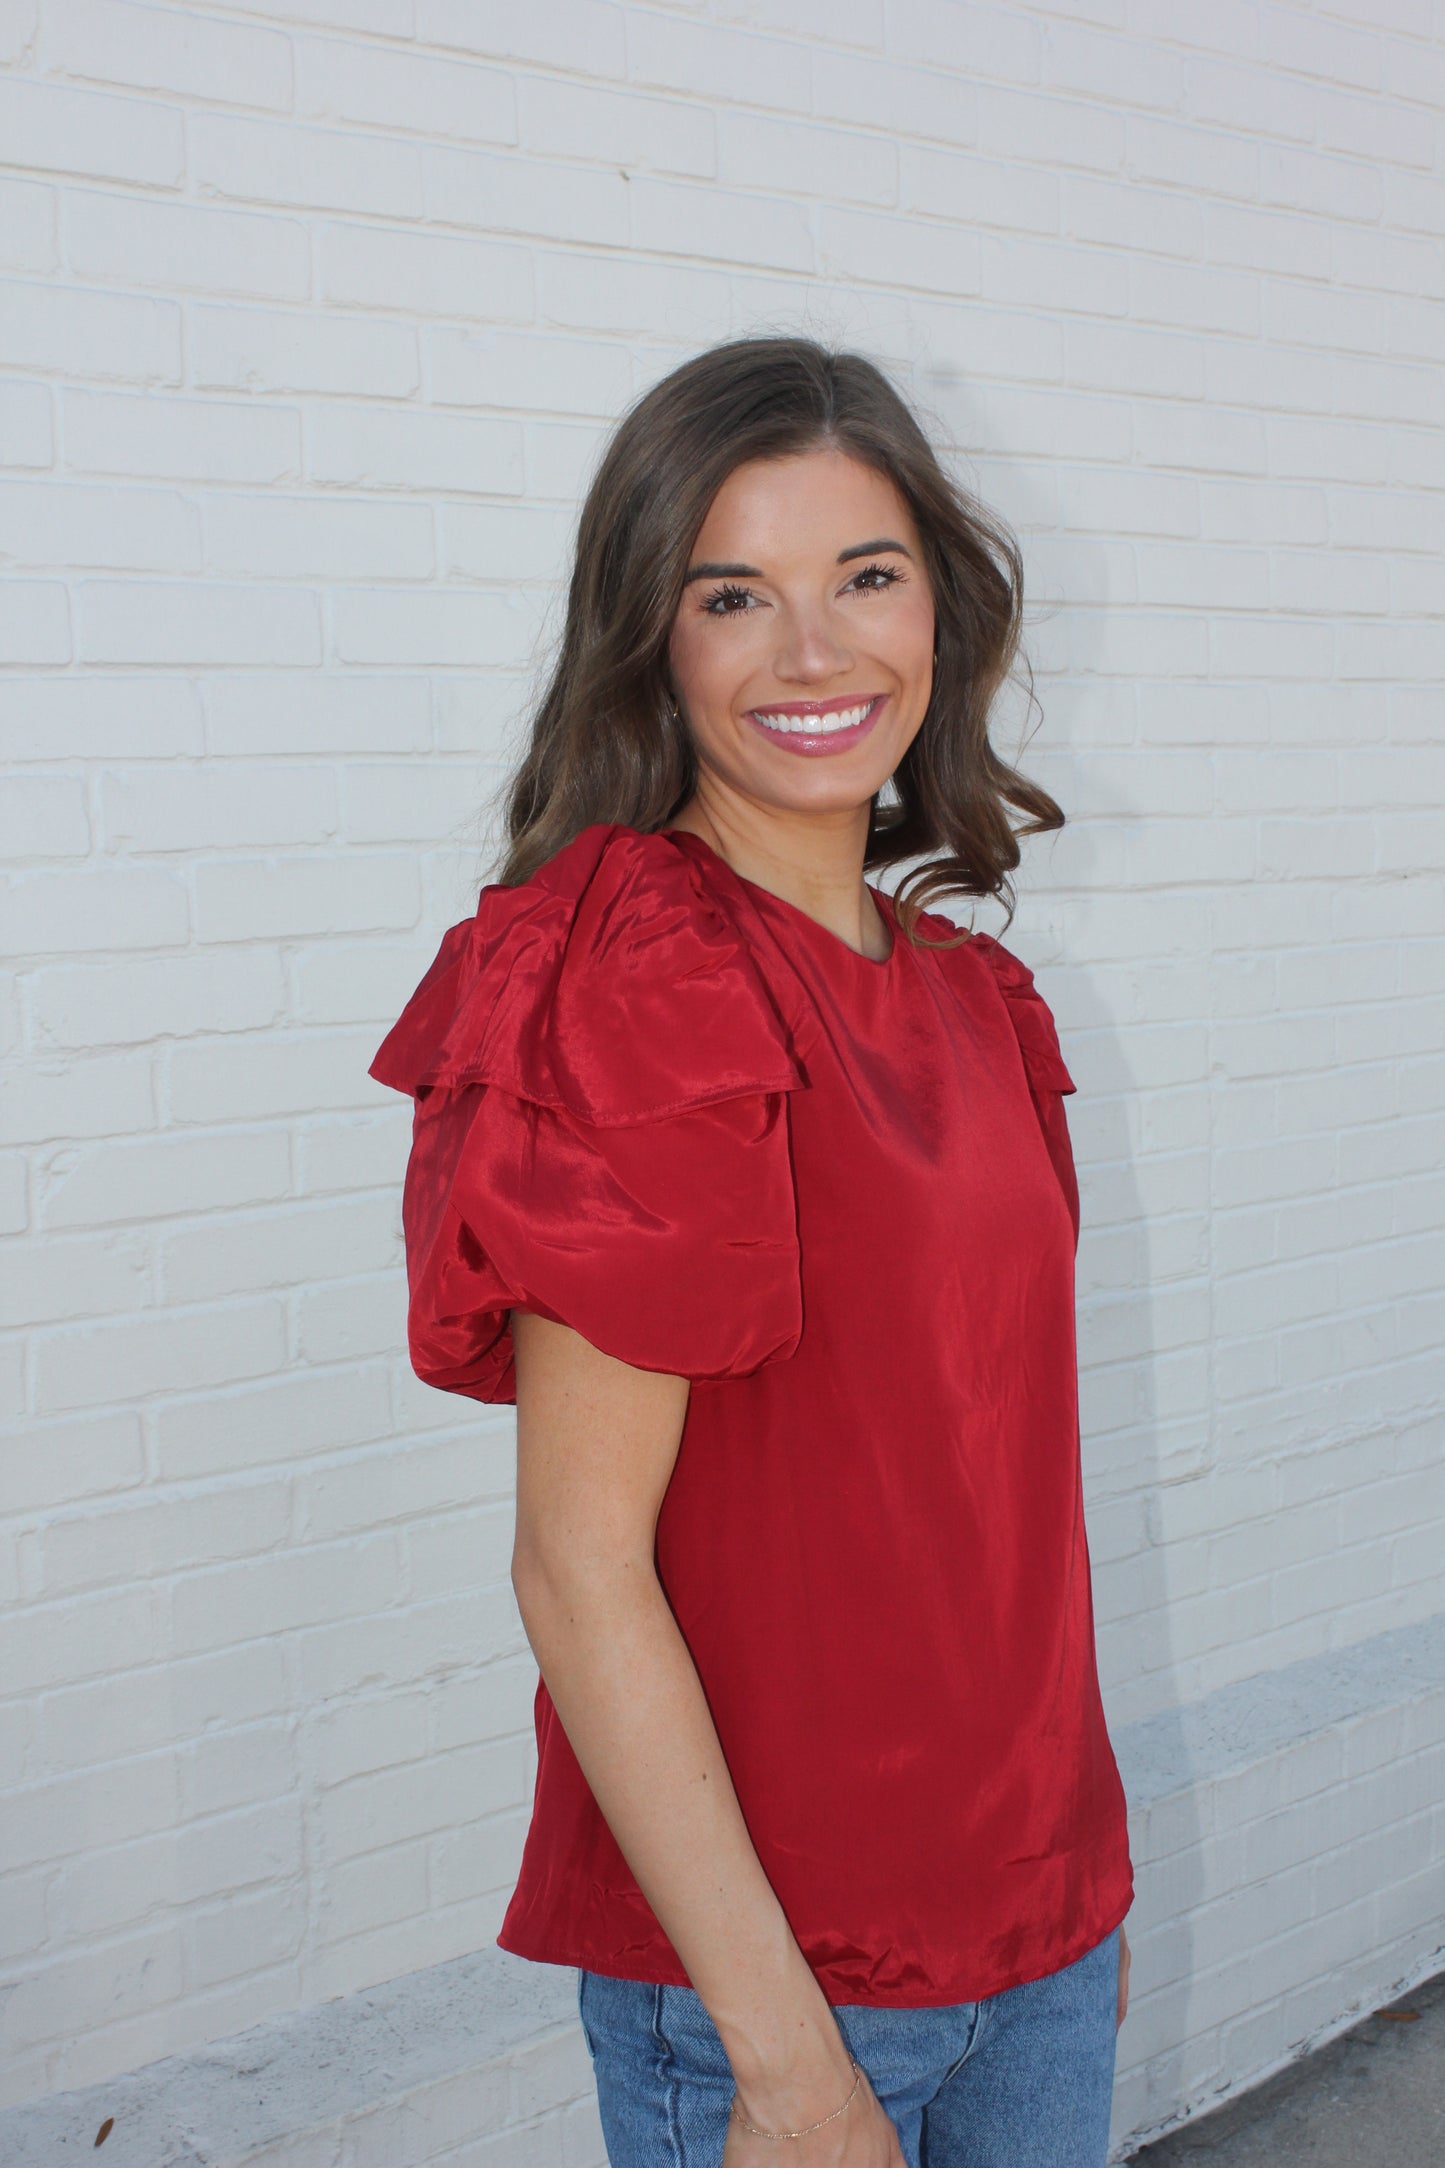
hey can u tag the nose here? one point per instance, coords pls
(810, 649)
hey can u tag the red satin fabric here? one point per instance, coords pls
(668, 1108)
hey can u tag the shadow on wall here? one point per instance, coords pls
(1139, 1433)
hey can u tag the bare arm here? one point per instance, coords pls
(597, 1442)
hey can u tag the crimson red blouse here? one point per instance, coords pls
(661, 1105)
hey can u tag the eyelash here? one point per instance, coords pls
(730, 593)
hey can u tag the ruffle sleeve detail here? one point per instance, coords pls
(1038, 1038)
(601, 1129)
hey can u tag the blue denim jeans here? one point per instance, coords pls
(1020, 2080)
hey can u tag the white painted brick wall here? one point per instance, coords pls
(315, 316)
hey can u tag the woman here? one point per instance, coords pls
(751, 1184)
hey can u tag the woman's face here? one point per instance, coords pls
(802, 649)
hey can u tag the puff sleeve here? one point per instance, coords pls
(1048, 1078)
(601, 1131)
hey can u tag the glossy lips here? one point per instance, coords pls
(815, 727)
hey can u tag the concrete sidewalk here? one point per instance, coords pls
(1374, 2098)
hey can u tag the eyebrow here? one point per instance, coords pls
(753, 572)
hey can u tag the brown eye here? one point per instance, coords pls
(884, 574)
(734, 598)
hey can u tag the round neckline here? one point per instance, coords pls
(880, 897)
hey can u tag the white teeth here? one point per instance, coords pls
(815, 726)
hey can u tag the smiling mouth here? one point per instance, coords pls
(816, 718)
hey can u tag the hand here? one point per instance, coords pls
(864, 2137)
(1123, 1979)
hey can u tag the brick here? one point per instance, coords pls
(1040, 422)
(109, 41)
(352, 447)
(262, 1250)
(27, 226)
(430, 274)
(26, 439)
(381, 18)
(360, 983)
(1128, 214)
(852, 166)
(594, 293)
(436, 628)
(560, 459)
(439, 1795)
(586, 120)
(922, 102)
(977, 41)
(1211, 443)
(101, 908)
(973, 191)
(96, 716)
(404, 91)
(1025, 271)
(198, 439)
(207, 808)
(256, 350)
(260, 1079)
(257, 714)
(386, 803)
(1253, 100)
(896, 251)
(34, 623)
(1322, 48)
(1327, 450)
(258, 899)
(1338, 187)
(383, 1886)
(221, 1606)
(1122, 71)
(507, 194)
(1209, 161)
(53, 130)
(579, 35)
(257, 161)
(272, 1423)
(360, 1153)
(69, 524)
(299, 538)
(350, 1320)
(1375, 128)
(14, 1195)
(108, 1096)
(184, 247)
(153, 1539)
(1389, 262)
(105, 1363)
(1269, 240)
(44, 817)
(500, 368)
(95, 1723)
(141, 1792)
(1119, 358)
(731, 228)
(195, 623)
(738, 69)
(120, 1004)
(369, 1490)
(18, 25)
(163, 1178)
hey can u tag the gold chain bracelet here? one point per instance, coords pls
(857, 2081)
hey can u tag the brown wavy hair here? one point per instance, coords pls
(604, 743)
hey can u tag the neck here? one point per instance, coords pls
(813, 860)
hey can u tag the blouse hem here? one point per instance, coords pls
(838, 1993)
